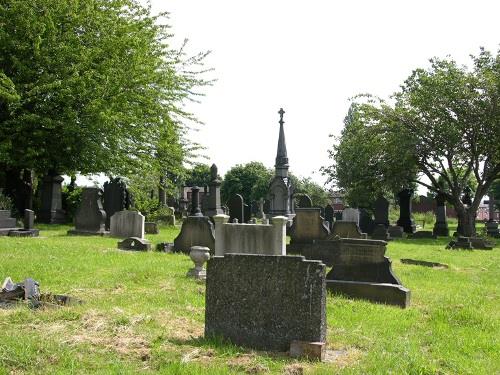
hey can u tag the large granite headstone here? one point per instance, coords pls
(265, 302)
(405, 220)
(381, 211)
(308, 226)
(350, 214)
(116, 198)
(127, 224)
(236, 208)
(90, 218)
(441, 225)
(51, 211)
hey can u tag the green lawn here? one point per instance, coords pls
(142, 315)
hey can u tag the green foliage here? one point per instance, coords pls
(319, 195)
(251, 180)
(162, 214)
(5, 202)
(71, 199)
(102, 77)
(198, 175)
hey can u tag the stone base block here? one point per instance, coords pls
(197, 274)
(135, 244)
(8, 222)
(396, 231)
(309, 350)
(52, 216)
(425, 234)
(389, 294)
(76, 232)
(24, 233)
(6, 231)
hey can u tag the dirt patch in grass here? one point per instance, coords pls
(198, 355)
(343, 357)
(179, 327)
(294, 369)
(246, 363)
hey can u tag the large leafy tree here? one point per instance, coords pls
(251, 180)
(319, 195)
(91, 86)
(445, 124)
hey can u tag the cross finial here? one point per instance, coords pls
(281, 113)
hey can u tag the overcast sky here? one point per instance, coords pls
(310, 58)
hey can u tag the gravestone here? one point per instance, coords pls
(236, 208)
(492, 225)
(127, 224)
(338, 215)
(260, 214)
(441, 225)
(90, 218)
(196, 230)
(7, 222)
(51, 211)
(405, 220)
(151, 227)
(265, 302)
(425, 234)
(308, 226)
(247, 214)
(29, 219)
(360, 269)
(395, 231)
(329, 215)
(305, 201)
(267, 206)
(381, 211)
(28, 227)
(381, 233)
(250, 239)
(350, 214)
(366, 223)
(135, 244)
(254, 208)
(346, 229)
(115, 198)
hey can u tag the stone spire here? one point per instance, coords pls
(281, 164)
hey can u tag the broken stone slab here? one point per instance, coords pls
(423, 263)
(309, 350)
(135, 244)
(27, 290)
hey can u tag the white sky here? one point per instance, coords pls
(310, 58)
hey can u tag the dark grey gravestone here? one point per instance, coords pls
(116, 198)
(460, 243)
(134, 244)
(51, 211)
(151, 227)
(247, 214)
(441, 225)
(329, 215)
(267, 206)
(195, 231)
(405, 220)
(214, 206)
(305, 201)
(6, 221)
(29, 223)
(90, 218)
(236, 208)
(381, 211)
(395, 231)
(381, 233)
(29, 219)
(366, 223)
(264, 301)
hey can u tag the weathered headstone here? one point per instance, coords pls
(492, 225)
(247, 214)
(267, 206)
(395, 231)
(350, 214)
(250, 239)
(265, 302)
(441, 225)
(115, 198)
(405, 220)
(236, 208)
(51, 211)
(305, 201)
(7, 222)
(134, 243)
(28, 230)
(151, 227)
(381, 233)
(90, 218)
(29, 219)
(329, 215)
(127, 224)
(346, 229)
(366, 223)
(381, 211)
(308, 226)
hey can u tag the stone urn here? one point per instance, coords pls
(199, 255)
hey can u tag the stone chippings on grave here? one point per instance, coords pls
(267, 239)
(360, 269)
(308, 226)
(196, 230)
(127, 224)
(441, 225)
(116, 198)
(90, 217)
(51, 211)
(405, 220)
(265, 302)
(236, 208)
(346, 229)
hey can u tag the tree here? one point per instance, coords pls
(94, 87)
(251, 180)
(199, 175)
(320, 196)
(444, 124)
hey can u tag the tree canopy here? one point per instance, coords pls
(250, 180)
(443, 125)
(91, 86)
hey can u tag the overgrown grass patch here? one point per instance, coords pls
(142, 315)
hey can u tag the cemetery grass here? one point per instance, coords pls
(142, 315)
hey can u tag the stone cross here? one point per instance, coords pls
(281, 113)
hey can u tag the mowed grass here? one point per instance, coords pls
(142, 315)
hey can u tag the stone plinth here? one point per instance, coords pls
(127, 224)
(381, 233)
(267, 239)
(195, 231)
(308, 226)
(265, 302)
